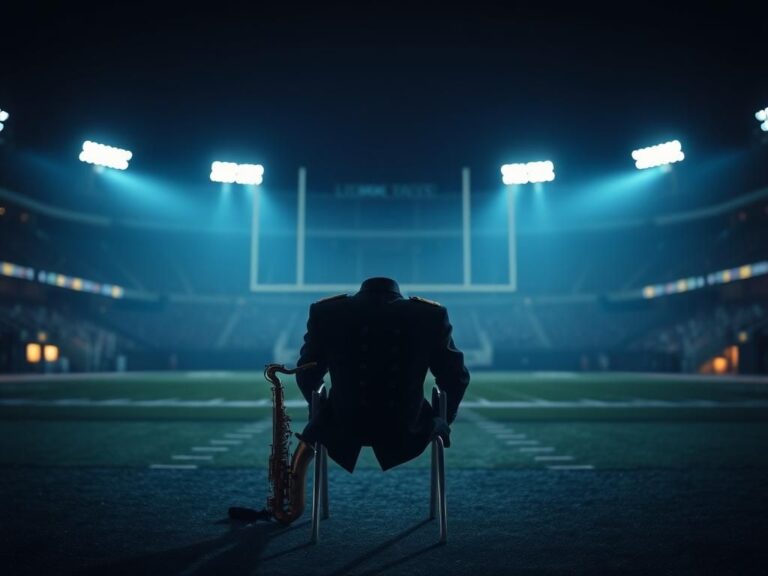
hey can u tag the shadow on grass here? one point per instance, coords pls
(236, 552)
(407, 558)
(239, 551)
(365, 557)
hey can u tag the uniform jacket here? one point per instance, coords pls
(377, 347)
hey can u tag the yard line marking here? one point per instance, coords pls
(227, 442)
(490, 404)
(571, 467)
(158, 402)
(521, 442)
(243, 436)
(618, 404)
(173, 466)
(524, 396)
(191, 457)
(553, 458)
(538, 449)
(136, 376)
(70, 401)
(210, 449)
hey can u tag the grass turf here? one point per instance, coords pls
(674, 490)
(140, 435)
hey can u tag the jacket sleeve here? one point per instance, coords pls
(447, 365)
(311, 351)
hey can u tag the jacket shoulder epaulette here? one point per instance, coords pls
(334, 297)
(424, 300)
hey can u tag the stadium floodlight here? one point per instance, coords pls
(658, 155)
(250, 174)
(3, 118)
(223, 172)
(103, 155)
(529, 172)
(229, 172)
(762, 117)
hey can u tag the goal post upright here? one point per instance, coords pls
(511, 237)
(301, 226)
(255, 239)
(466, 232)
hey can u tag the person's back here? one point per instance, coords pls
(377, 347)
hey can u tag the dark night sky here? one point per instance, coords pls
(378, 90)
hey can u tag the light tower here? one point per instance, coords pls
(762, 117)
(514, 175)
(659, 155)
(103, 156)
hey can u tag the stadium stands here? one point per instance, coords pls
(84, 346)
(190, 299)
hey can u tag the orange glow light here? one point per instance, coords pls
(51, 353)
(720, 365)
(34, 352)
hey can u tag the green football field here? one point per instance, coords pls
(134, 472)
(194, 420)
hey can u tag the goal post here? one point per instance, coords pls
(301, 285)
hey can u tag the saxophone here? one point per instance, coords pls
(287, 475)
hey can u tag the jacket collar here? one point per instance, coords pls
(380, 285)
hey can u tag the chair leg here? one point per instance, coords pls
(433, 483)
(443, 513)
(324, 496)
(316, 493)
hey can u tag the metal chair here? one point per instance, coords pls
(320, 487)
(437, 506)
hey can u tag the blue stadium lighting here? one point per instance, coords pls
(103, 155)
(659, 155)
(250, 174)
(230, 172)
(3, 118)
(762, 117)
(530, 172)
(225, 172)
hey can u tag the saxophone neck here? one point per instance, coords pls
(271, 370)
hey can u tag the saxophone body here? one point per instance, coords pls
(287, 474)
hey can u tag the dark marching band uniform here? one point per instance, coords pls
(377, 347)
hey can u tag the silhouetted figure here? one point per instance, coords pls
(377, 347)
